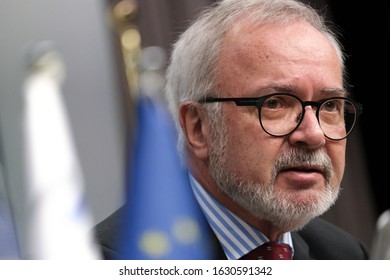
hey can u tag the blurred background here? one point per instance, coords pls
(104, 42)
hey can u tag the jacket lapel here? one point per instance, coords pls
(301, 248)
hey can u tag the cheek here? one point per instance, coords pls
(251, 153)
(338, 159)
(336, 153)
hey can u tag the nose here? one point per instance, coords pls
(309, 132)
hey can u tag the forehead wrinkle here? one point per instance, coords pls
(293, 89)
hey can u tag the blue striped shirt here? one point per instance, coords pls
(236, 236)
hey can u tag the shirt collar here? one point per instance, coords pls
(236, 236)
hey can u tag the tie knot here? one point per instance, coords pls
(269, 251)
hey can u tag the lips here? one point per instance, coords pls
(303, 168)
(302, 177)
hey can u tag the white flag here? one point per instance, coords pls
(59, 221)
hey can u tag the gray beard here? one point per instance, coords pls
(262, 200)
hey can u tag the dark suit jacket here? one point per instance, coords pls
(319, 240)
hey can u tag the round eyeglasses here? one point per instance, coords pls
(281, 113)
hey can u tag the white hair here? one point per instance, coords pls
(191, 73)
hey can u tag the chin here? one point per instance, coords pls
(292, 210)
(304, 198)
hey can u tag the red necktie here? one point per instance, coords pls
(269, 251)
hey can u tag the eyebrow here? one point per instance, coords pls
(335, 91)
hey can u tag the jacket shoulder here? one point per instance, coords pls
(321, 239)
(107, 233)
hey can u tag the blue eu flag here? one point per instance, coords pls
(164, 220)
(9, 247)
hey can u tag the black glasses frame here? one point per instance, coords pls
(259, 101)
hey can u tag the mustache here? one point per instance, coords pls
(303, 158)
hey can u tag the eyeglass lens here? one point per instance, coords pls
(282, 114)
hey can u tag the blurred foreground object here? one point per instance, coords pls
(9, 248)
(164, 220)
(58, 217)
(381, 242)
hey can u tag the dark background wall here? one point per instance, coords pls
(366, 29)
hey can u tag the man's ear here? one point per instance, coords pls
(194, 125)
